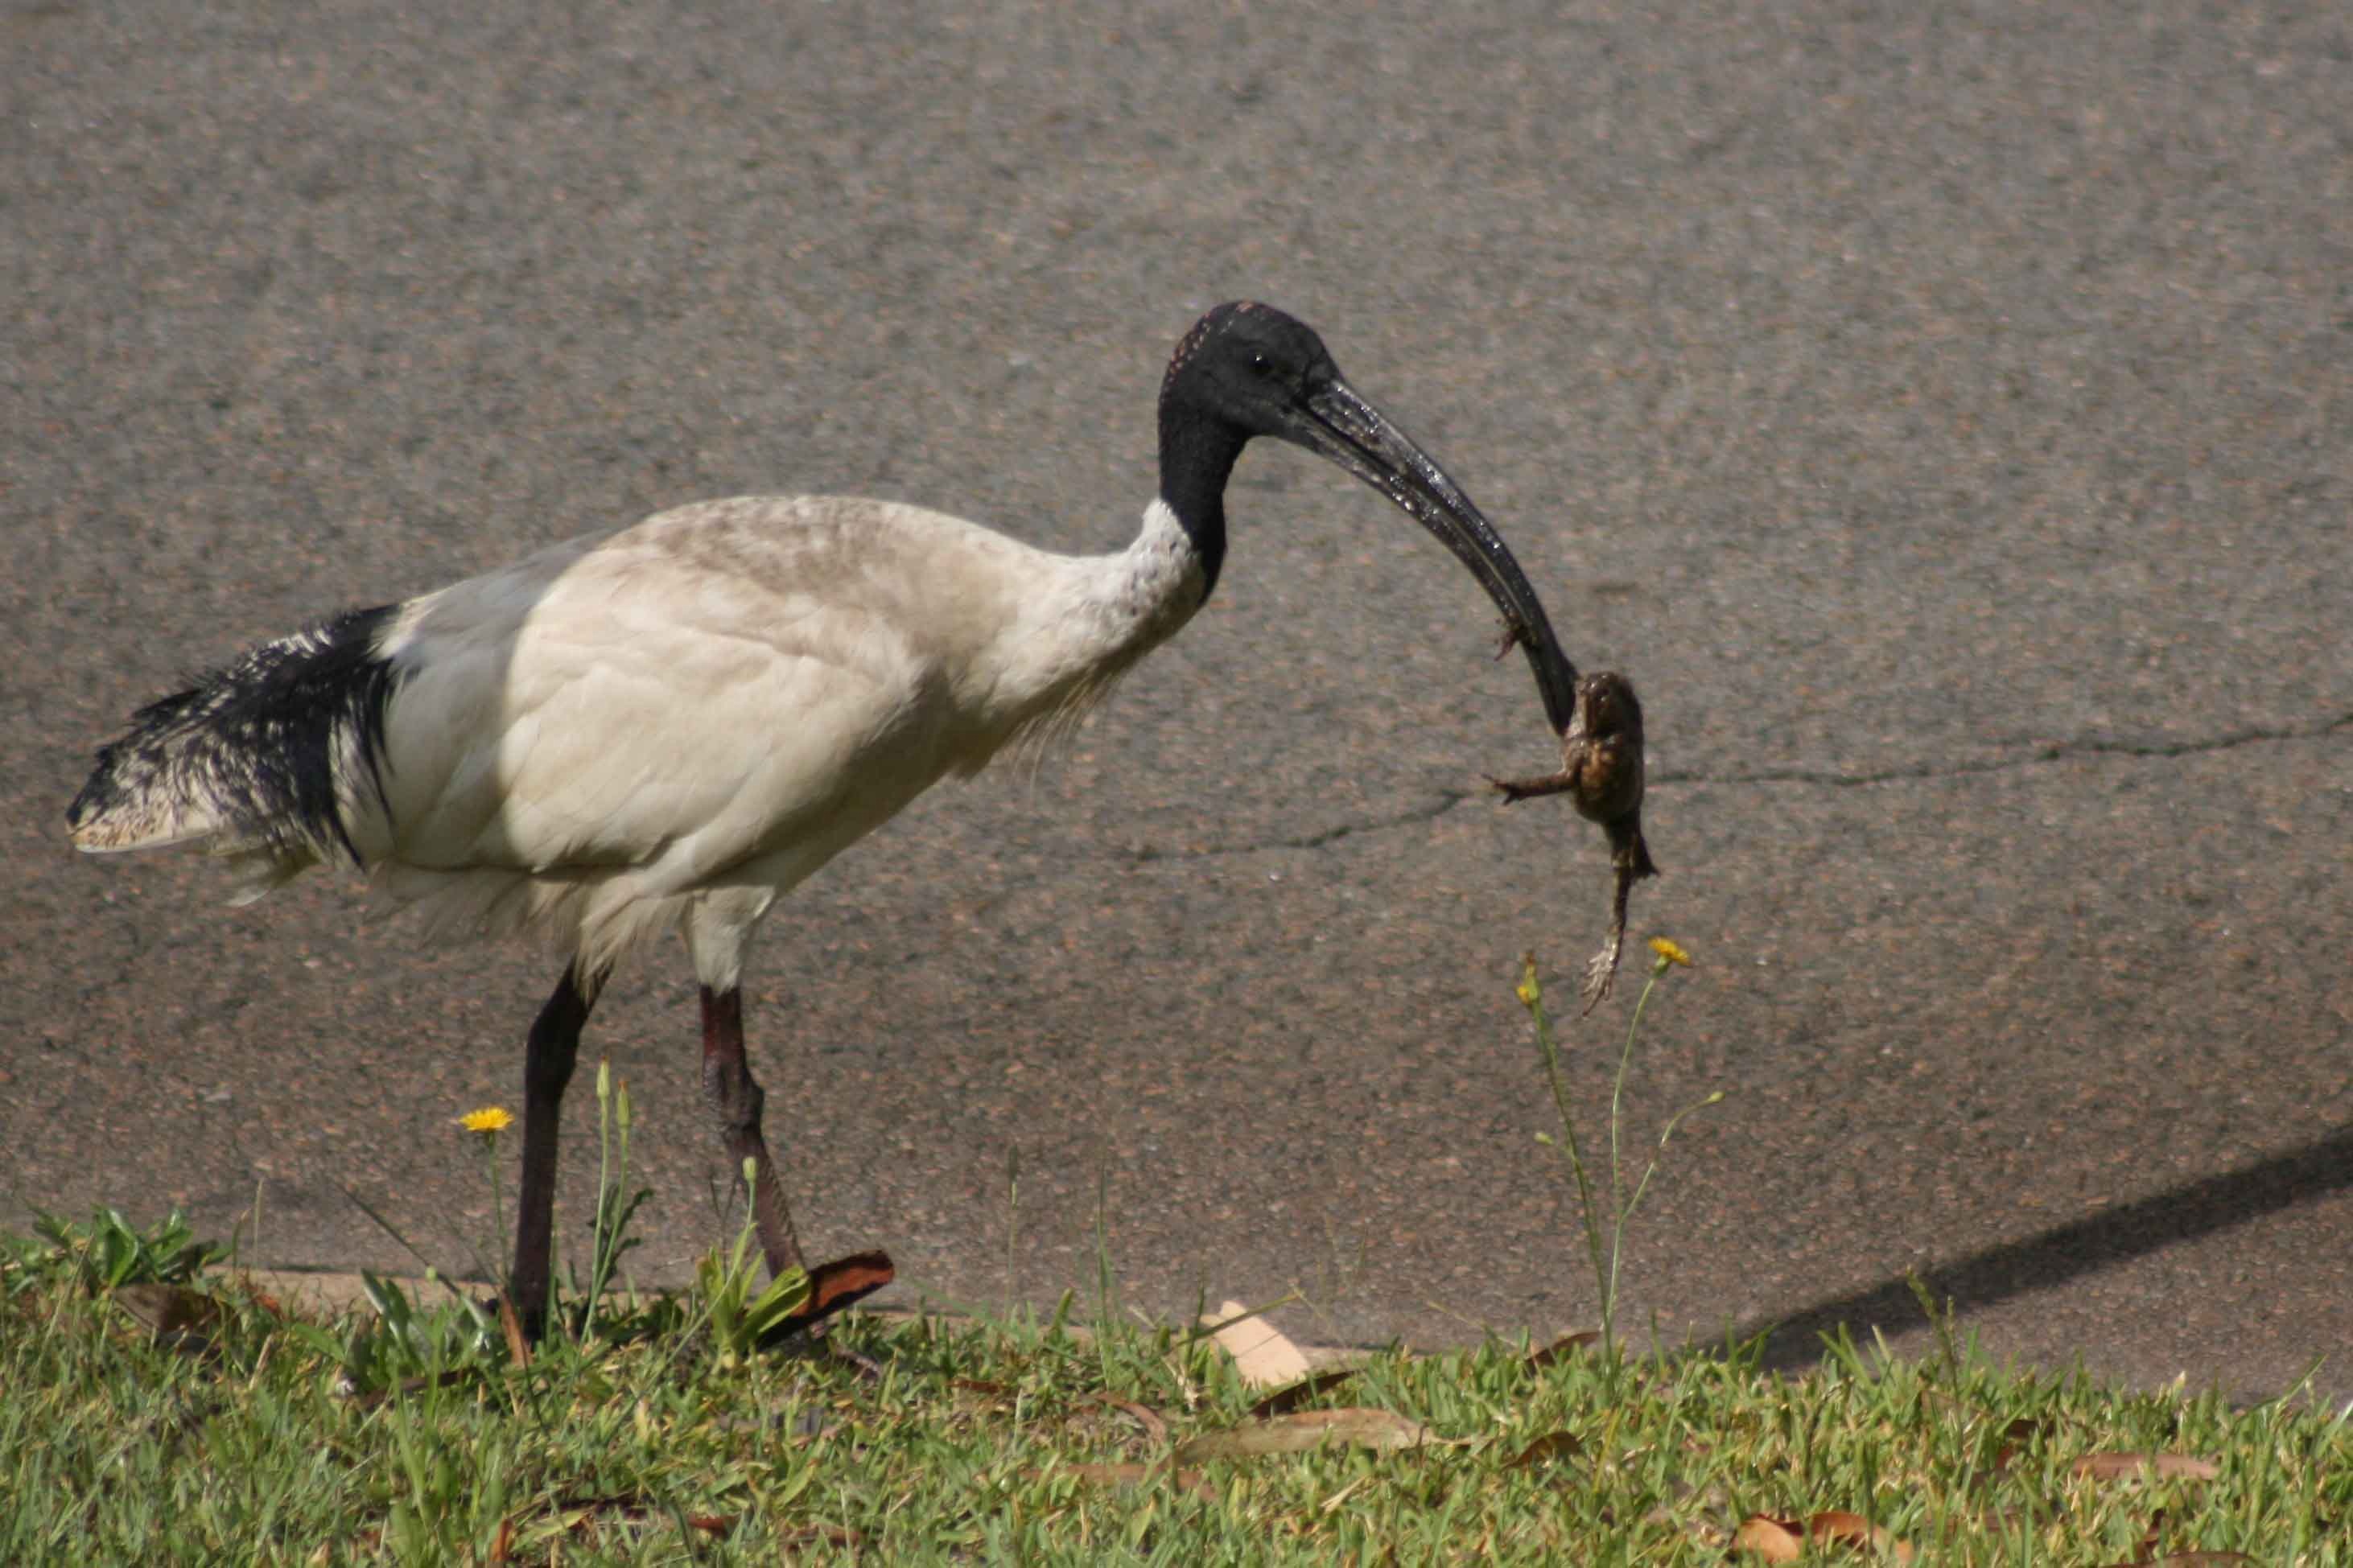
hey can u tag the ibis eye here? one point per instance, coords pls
(1260, 367)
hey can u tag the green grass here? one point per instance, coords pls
(156, 1407)
(244, 1433)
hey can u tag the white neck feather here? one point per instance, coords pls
(1074, 640)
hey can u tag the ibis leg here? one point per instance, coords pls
(735, 1101)
(546, 1069)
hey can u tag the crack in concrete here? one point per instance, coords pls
(2039, 754)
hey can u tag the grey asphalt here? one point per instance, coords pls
(1944, 414)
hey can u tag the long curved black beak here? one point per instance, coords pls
(1351, 431)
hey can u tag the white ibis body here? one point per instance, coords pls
(671, 724)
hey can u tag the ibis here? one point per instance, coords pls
(671, 724)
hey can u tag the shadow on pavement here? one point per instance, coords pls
(2066, 1252)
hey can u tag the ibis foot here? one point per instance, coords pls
(835, 1288)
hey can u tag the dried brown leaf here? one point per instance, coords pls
(588, 1508)
(1303, 1430)
(2015, 1437)
(511, 1325)
(1564, 1346)
(1839, 1526)
(1545, 1450)
(179, 1319)
(2110, 1467)
(167, 1309)
(986, 1387)
(633, 1508)
(864, 1365)
(1261, 1353)
(1773, 1539)
(1155, 1426)
(1844, 1529)
(1292, 1396)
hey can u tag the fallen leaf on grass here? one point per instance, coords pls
(1261, 1354)
(366, 1543)
(1564, 1346)
(991, 1394)
(1773, 1539)
(1144, 1415)
(164, 1307)
(1192, 1481)
(180, 1319)
(1292, 1396)
(1784, 1539)
(2110, 1467)
(634, 1509)
(2152, 1540)
(511, 1325)
(868, 1369)
(2151, 1552)
(2015, 1438)
(1303, 1430)
(1844, 1529)
(1552, 1446)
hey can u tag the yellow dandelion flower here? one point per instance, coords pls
(1666, 948)
(488, 1118)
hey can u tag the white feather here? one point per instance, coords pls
(684, 719)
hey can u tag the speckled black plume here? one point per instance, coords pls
(253, 751)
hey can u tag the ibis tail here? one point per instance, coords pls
(273, 761)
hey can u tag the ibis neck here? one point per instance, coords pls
(1196, 456)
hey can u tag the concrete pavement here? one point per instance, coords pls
(1942, 415)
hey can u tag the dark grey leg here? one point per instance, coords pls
(735, 1099)
(547, 1068)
